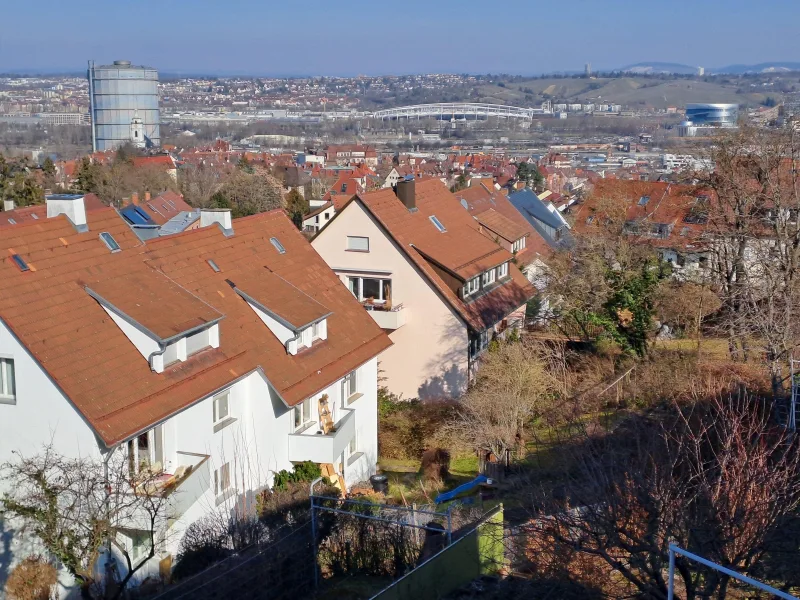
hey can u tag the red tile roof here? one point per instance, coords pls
(69, 333)
(462, 251)
(27, 214)
(163, 207)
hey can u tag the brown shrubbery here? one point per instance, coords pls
(408, 428)
(32, 579)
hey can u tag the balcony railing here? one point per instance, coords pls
(388, 318)
(313, 445)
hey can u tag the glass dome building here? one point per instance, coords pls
(713, 115)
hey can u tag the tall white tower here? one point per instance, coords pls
(137, 131)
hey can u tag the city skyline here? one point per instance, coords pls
(242, 38)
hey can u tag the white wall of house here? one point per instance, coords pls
(429, 358)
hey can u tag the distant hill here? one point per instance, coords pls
(768, 67)
(647, 68)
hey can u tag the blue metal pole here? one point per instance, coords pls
(671, 584)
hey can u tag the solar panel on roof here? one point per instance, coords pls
(20, 262)
(109, 241)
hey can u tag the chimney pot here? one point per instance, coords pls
(405, 191)
(71, 205)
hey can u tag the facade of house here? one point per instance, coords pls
(419, 264)
(318, 217)
(215, 358)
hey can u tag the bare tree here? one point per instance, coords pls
(755, 230)
(199, 182)
(716, 477)
(514, 386)
(250, 193)
(77, 508)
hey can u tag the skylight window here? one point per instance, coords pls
(437, 223)
(464, 204)
(20, 262)
(644, 200)
(278, 246)
(109, 241)
(213, 265)
(35, 216)
(12, 221)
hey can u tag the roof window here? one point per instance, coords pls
(12, 221)
(437, 223)
(213, 265)
(109, 241)
(464, 204)
(20, 262)
(278, 246)
(644, 200)
(35, 216)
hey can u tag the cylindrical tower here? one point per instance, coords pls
(122, 94)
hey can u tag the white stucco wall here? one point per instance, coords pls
(429, 358)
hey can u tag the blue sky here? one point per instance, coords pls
(280, 37)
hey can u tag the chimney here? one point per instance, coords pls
(209, 216)
(147, 196)
(70, 205)
(135, 199)
(405, 192)
(8, 205)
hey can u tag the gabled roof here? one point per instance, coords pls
(100, 370)
(460, 251)
(541, 218)
(164, 207)
(501, 225)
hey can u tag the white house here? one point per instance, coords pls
(218, 357)
(419, 263)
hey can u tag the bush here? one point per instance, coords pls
(303, 472)
(407, 428)
(32, 579)
(435, 464)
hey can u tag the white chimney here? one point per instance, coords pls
(209, 216)
(70, 205)
(8, 205)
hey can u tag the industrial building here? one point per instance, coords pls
(124, 105)
(700, 118)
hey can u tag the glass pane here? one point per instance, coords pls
(306, 411)
(298, 416)
(371, 288)
(353, 285)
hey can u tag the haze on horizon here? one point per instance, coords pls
(360, 37)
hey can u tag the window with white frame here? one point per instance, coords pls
(502, 271)
(358, 243)
(375, 290)
(222, 481)
(302, 414)
(8, 386)
(472, 286)
(478, 343)
(222, 408)
(146, 452)
(518, 245)
(487, 278)
(349, 385)
(137, 543)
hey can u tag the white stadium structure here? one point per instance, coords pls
(458, 111)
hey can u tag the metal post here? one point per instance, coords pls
(671, 584)
(314, 530)
(449, 525)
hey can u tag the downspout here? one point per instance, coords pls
(160, 352)
(290, 340)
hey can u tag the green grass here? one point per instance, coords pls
(406, 484)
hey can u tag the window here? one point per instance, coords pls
(213, 265)
(437, 223)
(357, 243)
(352, 447)
(472, 286)
(221, 407)
(378, 291)
(20, 262)
(488, 277)
(12, 221)
(644, 200)
(278, 246)
(502, 271)
(146, 452)
(349, 385)
(222, 480)
(8, 389)
(302, 414)
(109, 241)
(518, 245)
(464, 204)
(478, 343)
(197, 342)
(137, 542)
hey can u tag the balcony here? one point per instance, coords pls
(191, 479)
(392, 318)
(310, 444)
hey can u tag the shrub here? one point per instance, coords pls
(406, 429)
(303, 472)
(32, 579)
(435, 464)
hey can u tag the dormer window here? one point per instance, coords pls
(472, 286)
(502, 270)
(487, 278)
(518, 245)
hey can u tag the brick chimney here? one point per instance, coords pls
(147, 196)
(405, 190)
(135, 199)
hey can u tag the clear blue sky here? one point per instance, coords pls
(386, 37)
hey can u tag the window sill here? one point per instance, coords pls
(227, 494)
(352, 250)
(354, 397)
(223, 424)
(354, 457)
(8, 399)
